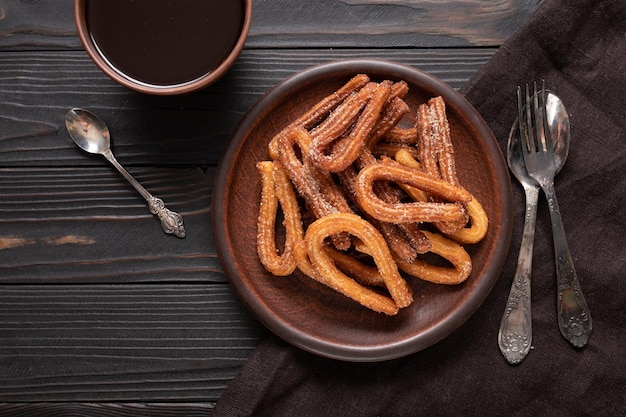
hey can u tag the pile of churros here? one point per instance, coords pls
(366, 200)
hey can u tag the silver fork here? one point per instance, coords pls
(573, 314)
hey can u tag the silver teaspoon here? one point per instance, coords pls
(515, 335)
(92, 135)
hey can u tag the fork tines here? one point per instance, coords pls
(535, 115)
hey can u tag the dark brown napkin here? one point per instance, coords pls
(579, 48)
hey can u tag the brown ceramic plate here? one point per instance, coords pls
(310, 315)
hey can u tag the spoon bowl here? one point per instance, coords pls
(558, 122)
(88, 131)
(515, 335)
(92, 135)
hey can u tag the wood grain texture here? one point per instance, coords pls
(48, 24)
(100, 312)
(117, 409)
(376, 23)
(37, 89)
(90, 226)
(37, 25)
(121, 342)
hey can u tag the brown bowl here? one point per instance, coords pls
(310, 315)
(188, 51)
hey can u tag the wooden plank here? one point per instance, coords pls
(37, 89)
(37, 25)
(48, 24)
(90, 226)
(121, 342)
(168, 409)
(379, 23)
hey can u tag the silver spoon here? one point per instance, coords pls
(515, 335)
(92, 135)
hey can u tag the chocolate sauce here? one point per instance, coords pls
(165, 42)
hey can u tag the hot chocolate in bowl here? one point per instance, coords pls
(163, 47)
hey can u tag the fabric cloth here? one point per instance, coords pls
(579, 48)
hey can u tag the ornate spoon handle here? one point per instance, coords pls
(171, 222)
(515, 335)
(573, 313)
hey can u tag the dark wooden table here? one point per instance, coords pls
(100, 312)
